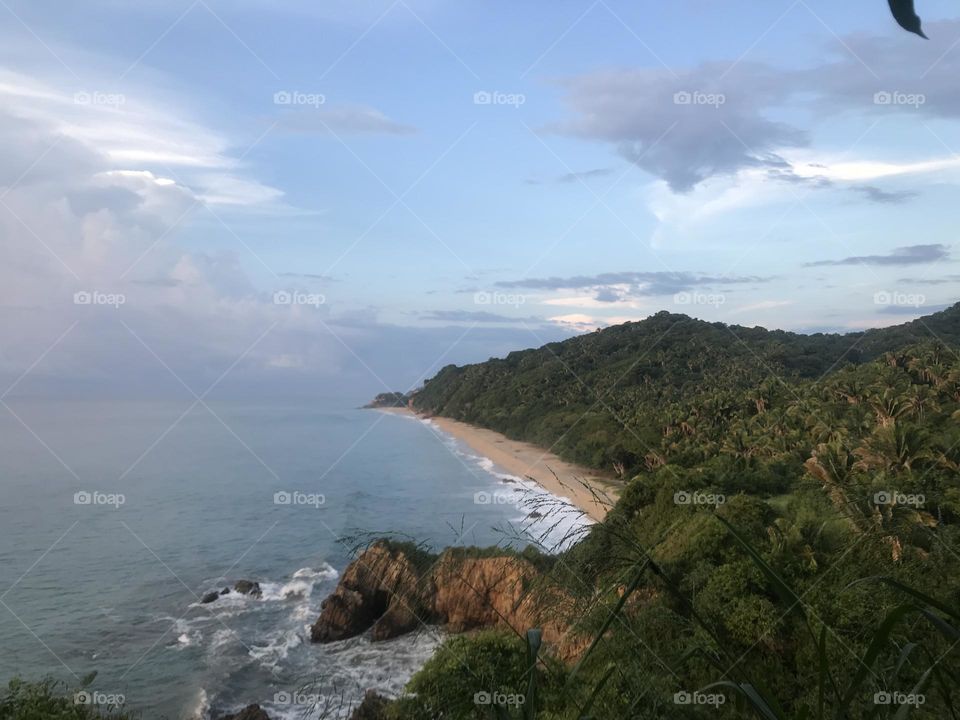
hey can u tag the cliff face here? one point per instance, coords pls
(379, 590)
(386, 591)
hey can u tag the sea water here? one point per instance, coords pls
(116, 517)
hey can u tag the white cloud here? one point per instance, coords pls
(762, 305)
(135, 132)
(866, 169)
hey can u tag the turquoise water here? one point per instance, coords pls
(184, 503)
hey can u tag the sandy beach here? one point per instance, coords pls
(554, 475)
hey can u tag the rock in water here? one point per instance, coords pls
(209, 597)
(250, 712)
(248, 587)
(390, 589)
(379, 590)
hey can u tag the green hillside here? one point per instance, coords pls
(787, 540)
(606, 399)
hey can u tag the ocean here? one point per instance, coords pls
(116, 517)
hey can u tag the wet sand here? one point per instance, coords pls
(589, 490)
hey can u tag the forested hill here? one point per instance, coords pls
(609, 398)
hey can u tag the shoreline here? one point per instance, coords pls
(557, 476)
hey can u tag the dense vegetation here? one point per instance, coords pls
(52, 700)
(610, 398)
(788, 539)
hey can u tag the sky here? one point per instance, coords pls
(203, 197)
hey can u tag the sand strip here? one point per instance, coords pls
(524, 460)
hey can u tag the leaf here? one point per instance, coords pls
(822, 653)
(906, 17)
(942, 625)
(534, 642)
(917, 689)
(877, 643)
(585, 710)
(634, 584)
(907, 649)
(759, 704)
(925, 599)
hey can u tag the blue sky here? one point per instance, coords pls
(450, 181)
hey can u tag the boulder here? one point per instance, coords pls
(379, 590)
(210, 597)
(343, 615)
(250, 712)
(248, 587)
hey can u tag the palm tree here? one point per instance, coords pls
(893, 448)
(888, 407)
(833, 466)
(919, 400)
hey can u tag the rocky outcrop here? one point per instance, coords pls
(213, 595)
(391, 589)
(373, 707)
(388, 400)
(379, 590)
(248, 587)
(250, 712)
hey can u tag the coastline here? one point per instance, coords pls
(557, 476)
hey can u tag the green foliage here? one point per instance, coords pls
(671, 388)
(824, 467)
(51, 700)
(466, 673)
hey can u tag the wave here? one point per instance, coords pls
(349, 668)
(277, 648)
(550, 521)
(199, 708)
